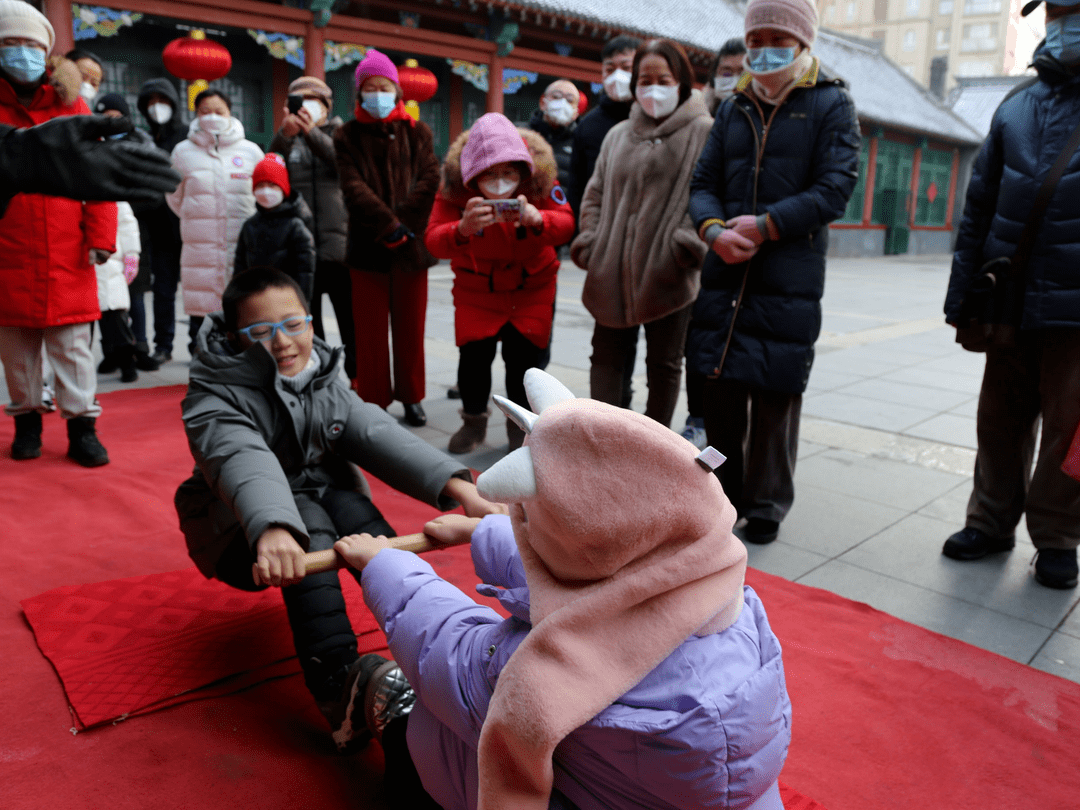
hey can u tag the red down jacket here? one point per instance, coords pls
(46, 278)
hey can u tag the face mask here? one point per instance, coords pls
(269, 197)
(725, 85)
(379, 105)
(617, 86)
(160, 112)
(87, 91)
(559, 112)
(315, 109)
(213, 123)
(657, 100)
(764, 60)
(1063, 38)
(23, 63)
(497, 189)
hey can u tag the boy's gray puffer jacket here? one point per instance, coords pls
(256, 444)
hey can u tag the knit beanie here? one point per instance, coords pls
(375, 63)
(310, 86)
(20, 19)
(113, 101)
(625, 537)
(796, 17)
(272, 169)
(493, 139)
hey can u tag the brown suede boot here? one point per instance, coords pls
(471, 434)
(514, 435)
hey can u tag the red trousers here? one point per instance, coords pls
(400, 298)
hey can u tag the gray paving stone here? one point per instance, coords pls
(920, 396)
(1060, 656)
(947, 428)
(872, 413)
(920, 375)
(985, 628)
(892, 483)
(781, 559)
(830, 523)
(910, 551)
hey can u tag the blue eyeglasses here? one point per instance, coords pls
(264, 332)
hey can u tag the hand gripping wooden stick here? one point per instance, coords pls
(316, 562)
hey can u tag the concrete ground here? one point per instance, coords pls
(885, 457)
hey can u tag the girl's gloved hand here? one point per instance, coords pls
(131, 267)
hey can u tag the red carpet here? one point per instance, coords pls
(886, 715)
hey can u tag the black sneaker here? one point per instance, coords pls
(1056, 568)
(388, 696)
(760, 531)
(83, 445)
(345, 713)
(974, 544)
(161, 357)
(144, 362)
(27, 443)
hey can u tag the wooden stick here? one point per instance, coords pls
(316, 562)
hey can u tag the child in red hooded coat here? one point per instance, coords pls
(504, 269)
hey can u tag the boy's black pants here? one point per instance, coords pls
(324, 637)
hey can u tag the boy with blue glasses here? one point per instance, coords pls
(275, 432)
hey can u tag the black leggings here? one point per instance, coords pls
(323, 635)
(474, 368)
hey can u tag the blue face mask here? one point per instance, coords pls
(23, 63)
(1063, 38)
(379, 105)
(764, 60)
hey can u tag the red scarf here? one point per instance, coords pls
(399, 113)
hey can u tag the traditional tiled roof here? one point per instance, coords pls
(884, 93)
(976, 99)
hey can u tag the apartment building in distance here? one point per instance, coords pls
(939, 41)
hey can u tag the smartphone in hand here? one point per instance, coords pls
(505, 210)
(294, 103)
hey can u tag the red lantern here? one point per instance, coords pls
(198, 60)
(417, 83)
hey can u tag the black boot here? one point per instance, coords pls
(143, 360)
(83, 445)
(27, 442)
(109, 363)
(127, 365)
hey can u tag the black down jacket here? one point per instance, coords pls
(1027, 134)
(802, 168)
(281, 238)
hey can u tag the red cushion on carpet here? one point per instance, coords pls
(886, 715)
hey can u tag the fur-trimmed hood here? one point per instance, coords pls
(536, 188)
(65, 77)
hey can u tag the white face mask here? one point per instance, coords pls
(160, 112)
(269, 196)
(559, 112)
(88, 92)
(617, 86)
(498, 189)
(213, 123)
(657, 100)
(725, 85)
(315, 109)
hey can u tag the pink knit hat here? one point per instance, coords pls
(375, 63)
(796, 17)
(625, 537)
(493, 139)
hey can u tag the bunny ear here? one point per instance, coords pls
(510, 480)
(522, 417)
(544, 390)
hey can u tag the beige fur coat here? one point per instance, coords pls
(637, 241)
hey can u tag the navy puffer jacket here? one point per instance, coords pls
(1027, 134)
(805, 175)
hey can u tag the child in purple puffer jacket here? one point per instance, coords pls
(636, 669)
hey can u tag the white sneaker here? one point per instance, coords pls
(694, 432)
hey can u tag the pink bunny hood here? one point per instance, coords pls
(627, 547)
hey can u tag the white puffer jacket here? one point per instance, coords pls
(213, 201)
(112, 288)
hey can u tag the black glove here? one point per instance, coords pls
(65, 157)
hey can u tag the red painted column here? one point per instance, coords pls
(457, 106)
(953, 179)
(495, 84)
(59, 14)
(279, 89)
(871, 178)
(913, 199)
(314, 58)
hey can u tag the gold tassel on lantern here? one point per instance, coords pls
(194, 89)
(413, 109)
